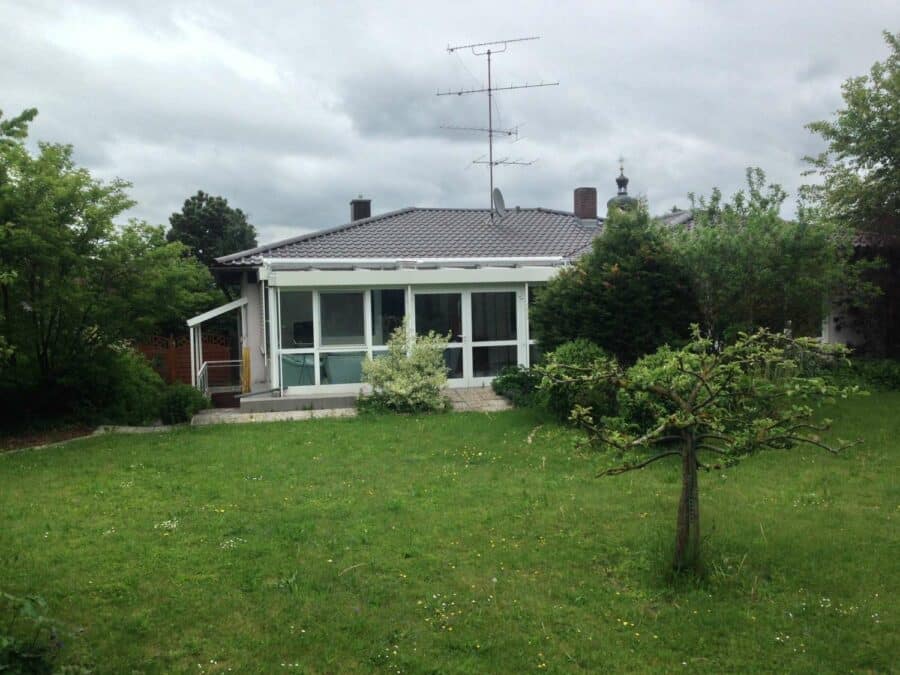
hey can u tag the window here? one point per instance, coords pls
(489, 361)
(298, 370)
(493, 316)
(342, 318)
(342, 367)
(440, 312)
(388, 308)
(296, 319)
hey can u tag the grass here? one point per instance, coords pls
(452, 543)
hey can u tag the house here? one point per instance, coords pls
(313, 307)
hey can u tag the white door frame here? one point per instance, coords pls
(467, 344)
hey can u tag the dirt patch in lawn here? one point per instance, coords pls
(31, 439)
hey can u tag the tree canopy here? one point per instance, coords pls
(751, 268)
(629, 294)
(861, 166)
(73, 284)
(708, 406)
(210, 228)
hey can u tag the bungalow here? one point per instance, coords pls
(313, 307)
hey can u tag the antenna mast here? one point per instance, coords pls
(488, 49)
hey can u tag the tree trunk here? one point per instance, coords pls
(687, 535)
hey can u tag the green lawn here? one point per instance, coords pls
(452, 543)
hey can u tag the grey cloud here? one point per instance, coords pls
(291, 109)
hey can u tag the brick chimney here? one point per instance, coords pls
(362, 208)
(586, 203)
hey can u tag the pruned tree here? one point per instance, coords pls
(702, 401)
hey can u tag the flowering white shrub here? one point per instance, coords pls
(410, 376)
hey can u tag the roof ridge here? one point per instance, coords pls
(313, 235)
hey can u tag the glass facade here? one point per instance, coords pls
(493, 316)
(388, 309)
(296, 313)
(343, 319)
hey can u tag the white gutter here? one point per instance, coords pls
(417, 262)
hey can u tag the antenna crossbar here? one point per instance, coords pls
(488, 44)
(460, 92)
(497, 132)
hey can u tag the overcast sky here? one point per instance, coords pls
(290, 109)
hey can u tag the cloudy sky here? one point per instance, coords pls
(290, 109)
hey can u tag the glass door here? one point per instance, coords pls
(494, 341)
(443, 314)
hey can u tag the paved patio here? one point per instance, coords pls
(475, 399)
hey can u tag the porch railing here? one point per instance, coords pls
(217, 377)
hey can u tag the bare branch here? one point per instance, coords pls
(615, 471)
(712, 448)
(802, 439)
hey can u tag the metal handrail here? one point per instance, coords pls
(204, 372)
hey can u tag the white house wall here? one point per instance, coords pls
(254, 335)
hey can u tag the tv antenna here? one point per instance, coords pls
(489, 49)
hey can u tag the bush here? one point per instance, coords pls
(518, 384)
(881, 374)
(560, 397)
(180, 403)
(117, 386)
(409, 377)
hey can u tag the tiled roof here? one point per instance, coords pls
(415, 233)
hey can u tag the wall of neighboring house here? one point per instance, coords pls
(254, 338)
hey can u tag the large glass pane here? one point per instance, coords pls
(298, 370)
(489, 361)
(453, 358)
(388, 308)
(342, 318)
(493, 316)
(296, 319)
(440, 312)
(342, 367)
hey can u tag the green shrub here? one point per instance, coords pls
(881, 374)
(116, 385)
(561, 394)
(180, 402)
(629, 295)
(518, 384)
(409, 377)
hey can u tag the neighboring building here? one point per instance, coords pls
(313, 307)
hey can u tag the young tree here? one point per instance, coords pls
(699, 401)
(210, 228)
(750, 267)
(629, 295)
(861, 166)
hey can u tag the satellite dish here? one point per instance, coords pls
(499, 206)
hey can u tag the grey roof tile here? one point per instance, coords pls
(436, 233)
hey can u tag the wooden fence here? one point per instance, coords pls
(171, 355)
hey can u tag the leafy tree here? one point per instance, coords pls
(861, 166)
(73, 285)
(749, 267)
(150, 285)
(629, 295)
(15, 129)
(699, 402)
(210, 228)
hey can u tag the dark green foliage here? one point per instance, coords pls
(30, 642)
(861, 166)
(750, 268)
(878, 374)
(180, 402)
(560, 395)
(211, 228)
(518, 384)
(629, 295)
(75, 287)
(119, 387)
